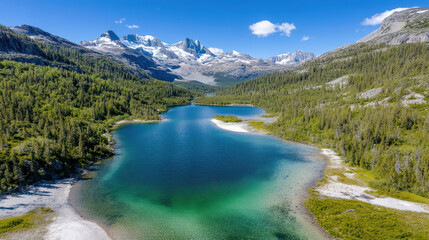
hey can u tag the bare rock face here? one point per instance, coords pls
(42, 36)
(10, 43)
(408, 26)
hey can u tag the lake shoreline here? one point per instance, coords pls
(307, 219)
(304, 217)
(335, 188)
(66, 217)
(339, 190)
(116, 125)
(227, 105)
(67, 223)
(128, 121)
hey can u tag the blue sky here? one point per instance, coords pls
(223, 24)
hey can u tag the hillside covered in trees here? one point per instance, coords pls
(368, 102)
(57, 102)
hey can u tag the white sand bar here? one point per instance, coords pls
(230, 126)
(340, 190)
(67, 224)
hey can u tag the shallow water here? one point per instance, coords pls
(184, 178)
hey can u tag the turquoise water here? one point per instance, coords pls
(184, 178)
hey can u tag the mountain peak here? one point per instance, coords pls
(193, 47)
(290, 58)
(111, 35)
(147, 41)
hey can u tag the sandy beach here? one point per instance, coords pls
(244, 126)
(66, 224)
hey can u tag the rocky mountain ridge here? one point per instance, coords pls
(407, 26)
(192, 61)
(187, 60)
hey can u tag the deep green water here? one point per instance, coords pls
(184, 178)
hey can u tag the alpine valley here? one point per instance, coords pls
(134, 138)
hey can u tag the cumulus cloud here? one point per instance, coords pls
(286, 28)
(305, 38)
(265, 28)
(133, 26)
(379, 17)
(120, 21)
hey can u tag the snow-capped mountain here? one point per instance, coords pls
(110, 44)
(291, 58)
(186, 50)
(107, 43)
(191, 60)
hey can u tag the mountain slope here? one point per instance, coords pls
(44, 37)
(54, 114)
(14, 47)
(408, 26)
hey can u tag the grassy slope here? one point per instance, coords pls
(36, 218)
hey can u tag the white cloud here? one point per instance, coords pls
(305, 38)
(120, 21)
(265, 28)
(286, 28)
(133, 26)
(379, 17)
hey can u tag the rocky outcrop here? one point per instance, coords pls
(44, 37)
(11, 43)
